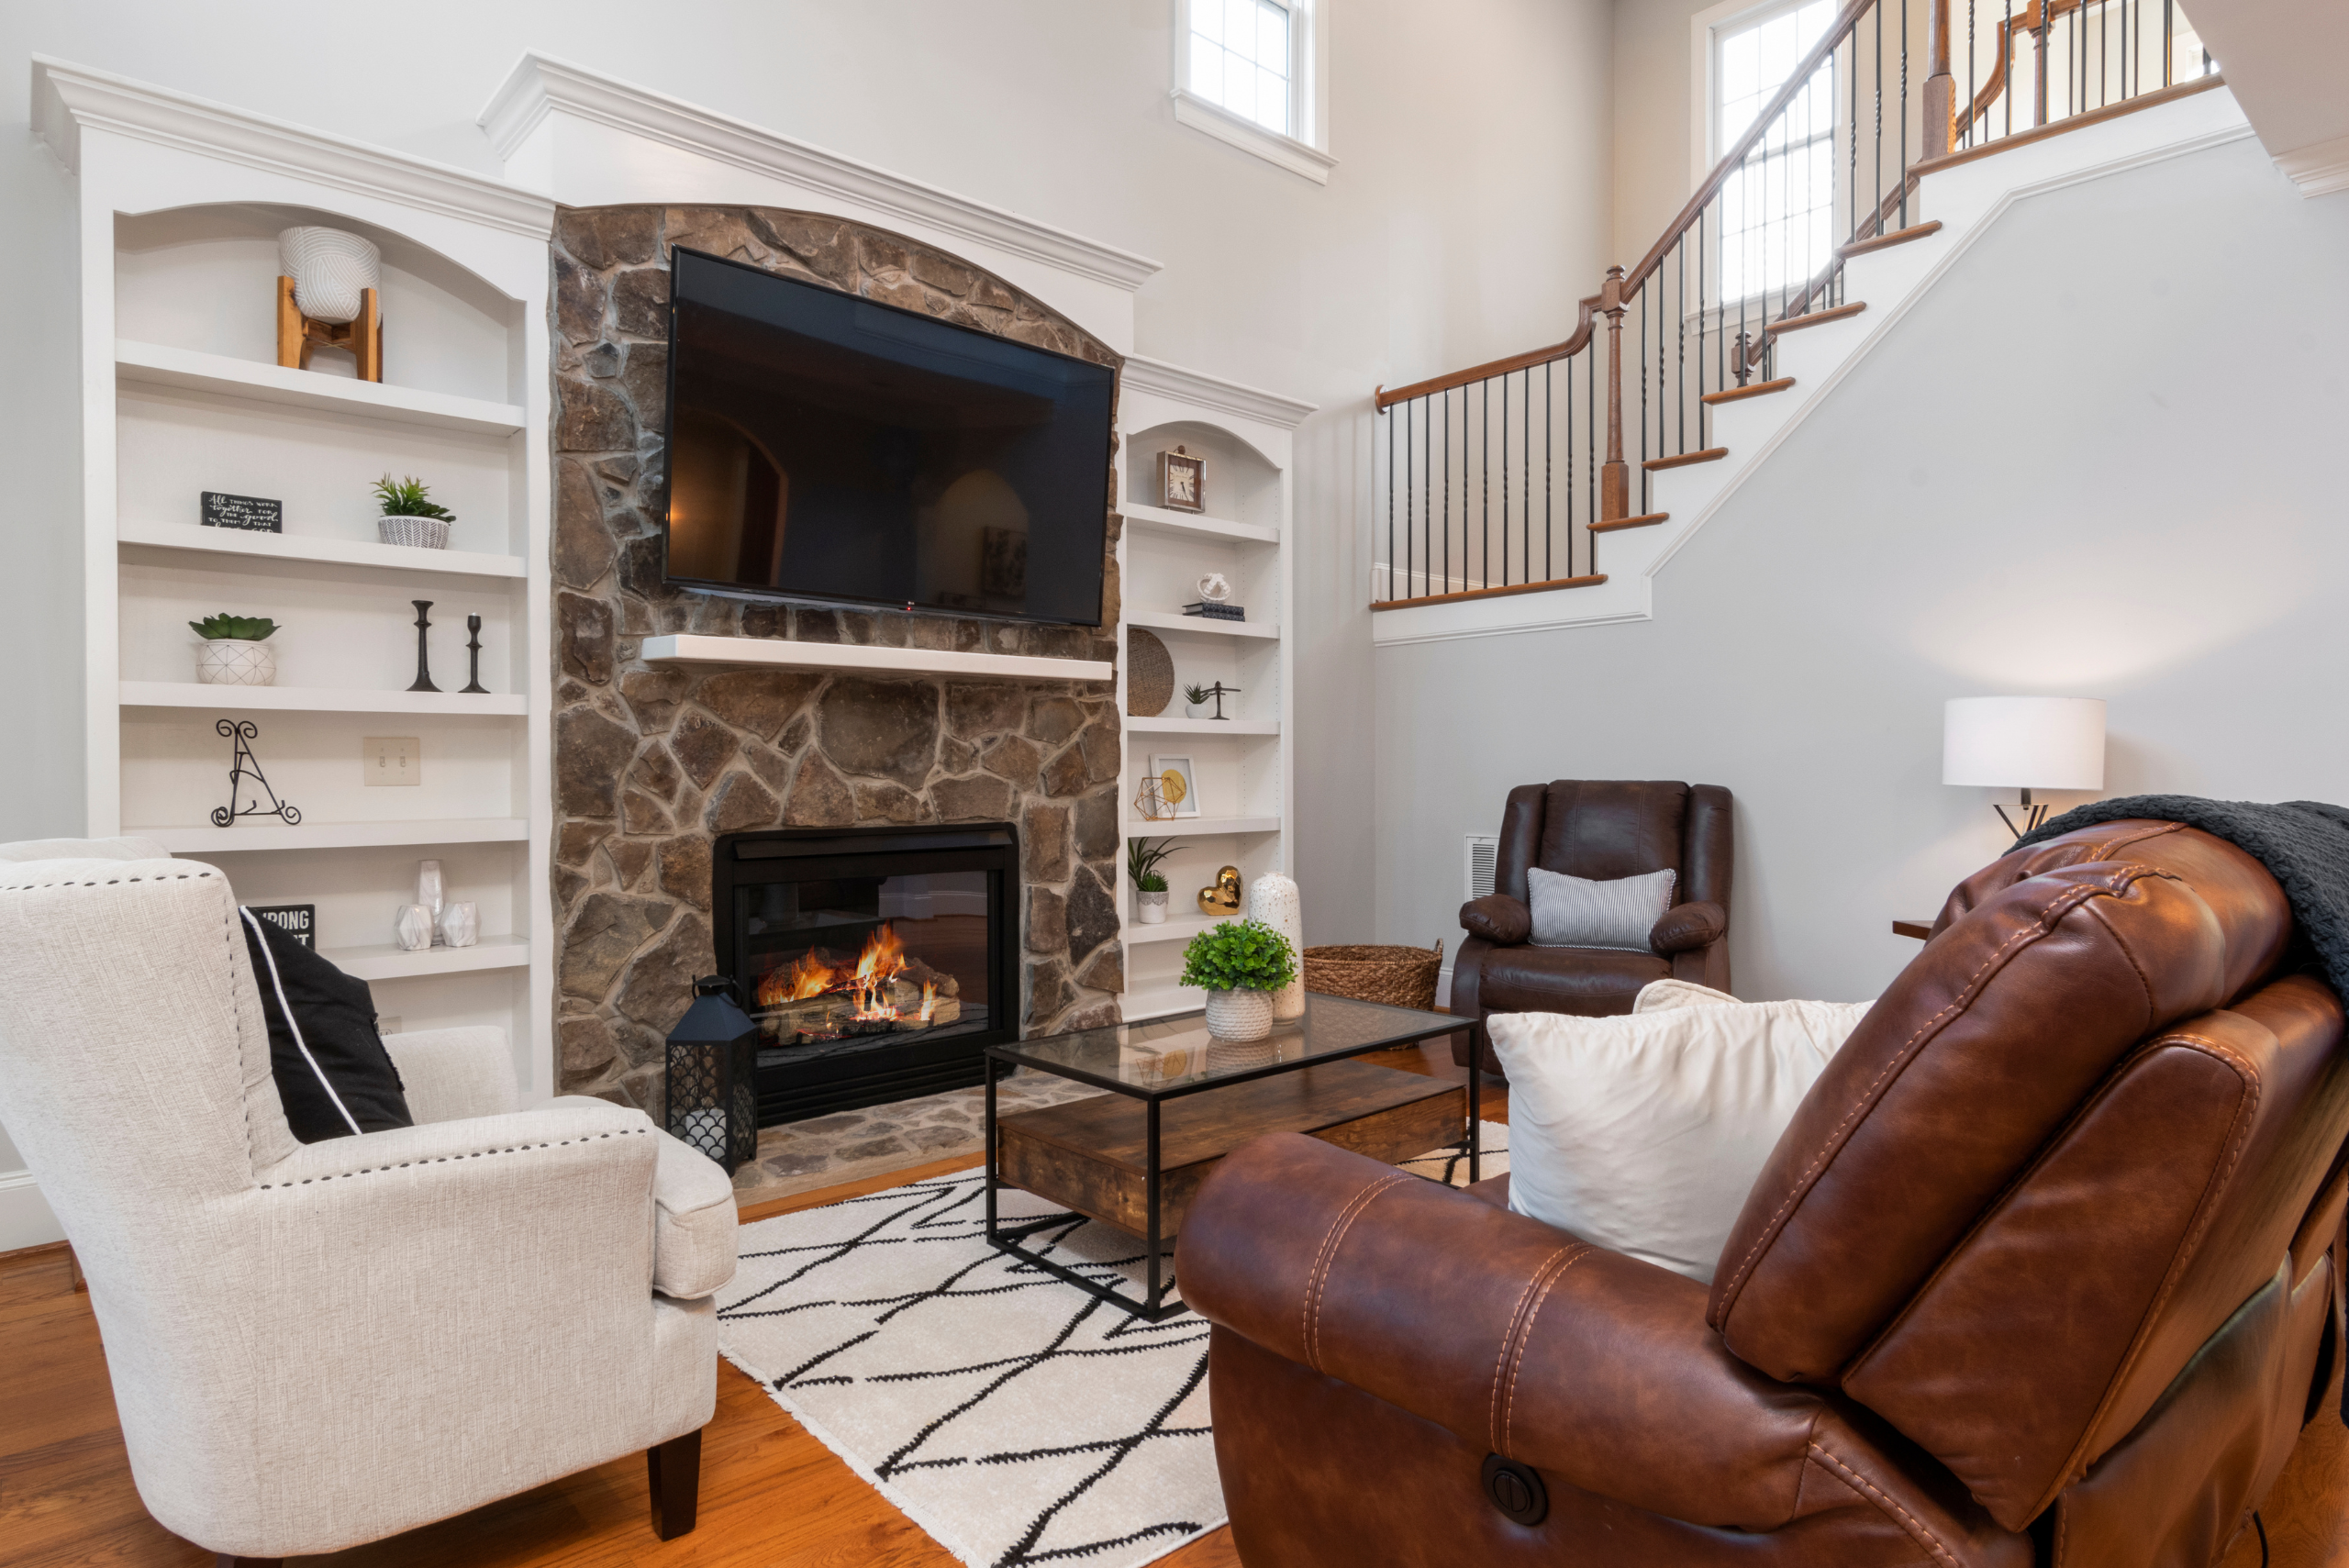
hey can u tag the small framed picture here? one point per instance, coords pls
(1176, 786)
(1182, 481)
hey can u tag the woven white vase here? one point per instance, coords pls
(417, 533)
(1240, 1014)
(329, 269)
(232, 661)
(1273, 901)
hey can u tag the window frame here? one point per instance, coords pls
(1308, 55)
(1707, 30)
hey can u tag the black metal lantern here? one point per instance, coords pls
(713, 1075)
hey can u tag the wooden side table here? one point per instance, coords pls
(1920, 930)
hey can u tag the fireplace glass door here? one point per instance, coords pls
(841, 964)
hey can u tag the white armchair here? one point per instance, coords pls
(315, 1346)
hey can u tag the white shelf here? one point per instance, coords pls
(1175, 928)
(388, 960)
(1192, 524)
(1200, 826)
(687, 649)
(1164, 724)
(1158, 1001)
(304, 546)
(157, 364)
(1174, 620)
(313, 699)
(259, 833)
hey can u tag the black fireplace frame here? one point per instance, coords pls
(798, 1091)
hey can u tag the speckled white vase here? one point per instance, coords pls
(1240, 1015)
(1273, 901)
(233, 661)
(329, 269)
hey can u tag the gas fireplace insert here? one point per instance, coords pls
(879, 963)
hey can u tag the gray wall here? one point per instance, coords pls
(2101, 458)
(1466, 213)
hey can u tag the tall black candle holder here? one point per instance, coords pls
(472, 626)
(423, 668)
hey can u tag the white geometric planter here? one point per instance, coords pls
(1240, 1014)
(232, 661)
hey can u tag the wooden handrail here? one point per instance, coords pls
(1386, 398)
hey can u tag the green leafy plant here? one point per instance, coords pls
(409, 498)
(1239, 955)
(233, 628)
(1142, 858)
(1196, 695)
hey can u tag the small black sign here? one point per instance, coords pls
(252, 512)
(299, 921)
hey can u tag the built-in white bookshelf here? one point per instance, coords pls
(1244, 775)
(180, 204)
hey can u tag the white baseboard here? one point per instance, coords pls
(24, 1220)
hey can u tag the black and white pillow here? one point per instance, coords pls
(332, 1072)
(1576, 912)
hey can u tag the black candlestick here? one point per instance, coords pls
(473, 625)
(1220, 691)
(423, 668)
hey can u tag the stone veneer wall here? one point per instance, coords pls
(652, 762)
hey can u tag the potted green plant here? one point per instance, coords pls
(1196, 701)
(1142, 860)
(1240, 963)
(410, 515)
(235, 650)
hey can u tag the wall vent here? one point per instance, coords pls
(1483, 851)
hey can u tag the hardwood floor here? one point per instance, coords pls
(771, 1495)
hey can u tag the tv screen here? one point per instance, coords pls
(826, 447)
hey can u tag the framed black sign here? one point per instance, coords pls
(299, 921)
(255, 513)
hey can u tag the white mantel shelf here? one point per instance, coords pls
(687, 649)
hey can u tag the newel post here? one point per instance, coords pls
(1615, 478)
(1940, 104)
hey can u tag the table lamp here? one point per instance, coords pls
(2024, 743)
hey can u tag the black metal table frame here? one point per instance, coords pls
(1153, 1307)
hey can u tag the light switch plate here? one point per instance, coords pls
(392, 760)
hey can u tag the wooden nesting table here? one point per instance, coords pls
(1176, 1101)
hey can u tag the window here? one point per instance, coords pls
(1244, 74)
(1240, 59)
(1779, 207)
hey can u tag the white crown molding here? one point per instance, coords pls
(2319, 169)
(538, 85)
(67, 99)
(1180, 385)
(1297, 157)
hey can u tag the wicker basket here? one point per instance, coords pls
(1400, 977)
(420, 533)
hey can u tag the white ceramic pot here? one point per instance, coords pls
(1198, 711)
(1240, 1014)
(232, 661)
(417, 533)
(329, 269)
(1150, 908)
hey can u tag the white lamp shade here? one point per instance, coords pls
(2023, 742)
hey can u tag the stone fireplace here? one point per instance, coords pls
(654, 766)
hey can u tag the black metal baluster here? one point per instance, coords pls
(1484, 467)
(1590, 439)
(1447, 485)
(1426, 423)
(2169, 44)
(1548, 429)
(1407, 455)
(1703, 408)
(1970, 88)
(1900, 170)
(1644, 453)
(1390, 503)
(2007, 68)
(1504, 381)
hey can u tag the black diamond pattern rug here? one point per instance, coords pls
(1015, 1417)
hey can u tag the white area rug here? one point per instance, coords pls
(1015, 1417)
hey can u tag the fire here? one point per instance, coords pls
(885, 955)
(809, 976)
(929, 999)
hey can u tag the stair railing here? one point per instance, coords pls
(1502, 478)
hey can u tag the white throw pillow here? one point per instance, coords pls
(1644, 1133)
(1576, 912)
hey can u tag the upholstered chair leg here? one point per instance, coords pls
(675, 1470)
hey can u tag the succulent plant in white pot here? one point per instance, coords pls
(235, 650)
(410, 515)
(1142, 860)
(1241, 964)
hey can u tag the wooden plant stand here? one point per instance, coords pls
(297, 335)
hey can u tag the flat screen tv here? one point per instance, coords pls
(828, 448)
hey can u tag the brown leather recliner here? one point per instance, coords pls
(2044, 1270)
(1600, 829)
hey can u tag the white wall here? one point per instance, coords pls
(2099, 457)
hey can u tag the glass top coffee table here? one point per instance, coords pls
(1128, 1156)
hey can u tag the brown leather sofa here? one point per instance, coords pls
(2045, 1271)
(1600, 829)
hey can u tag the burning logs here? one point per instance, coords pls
(818, 997)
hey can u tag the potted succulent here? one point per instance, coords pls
(235, 650)
(1197, 702)
(1142, 860)
(1241, 964)
(410, 515)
